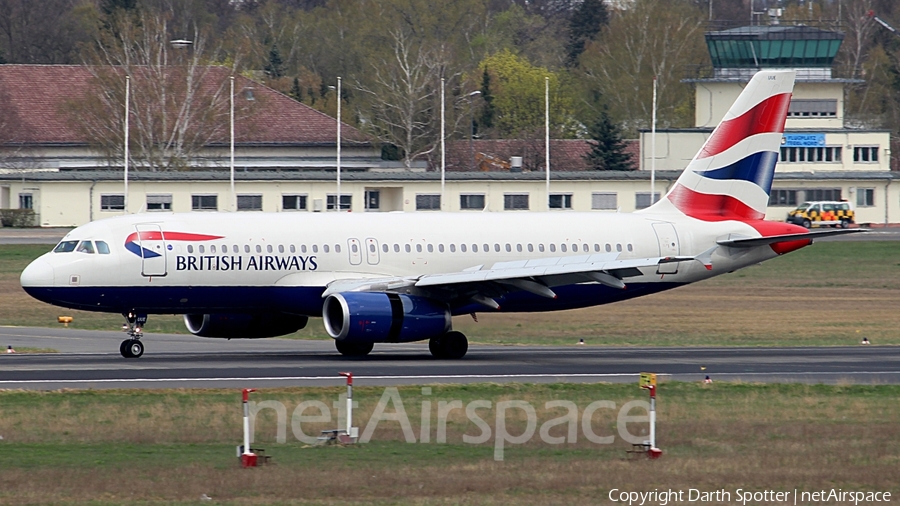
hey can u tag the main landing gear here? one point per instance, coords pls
(452, 345)
(353, 349)
(133, 326)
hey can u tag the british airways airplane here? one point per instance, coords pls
(396, 278)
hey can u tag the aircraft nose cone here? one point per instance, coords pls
(38, 273)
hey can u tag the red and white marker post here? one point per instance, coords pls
(248, 458)
(349, 435)
(648, 381)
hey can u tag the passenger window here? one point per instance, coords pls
(302, 248)
(552, 248)
(315, 248)
(519, 248)
(530, 248)
(86, 247)
(474, 248)
(408, 248)
(384, 247)
(337, 248)
(618, 247)
(585, 248)
(497, 247)
(541, 247)
(462, 247)
(190, 248)
(372, 248)
(431, 248)
(325, 248)
(268, 248)
(487, 248)
(418, 248)
(293, 249)
(212, 249)
(201, 249)
(630, 247)
(452, 248)
(562, 247)
(440, 248)
(65, 247)
(608, 248)
(246, 248)
(596, 247)
(281, 248)
(258, 248)
(354, 248)
(102, 248)
(508, 248)
(396, 248)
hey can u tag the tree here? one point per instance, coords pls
(178, 105)
(585, 23)
(401, 97)
(296, 93)
(274, 68)
(607, 147)
(486, 118)
(651, 39)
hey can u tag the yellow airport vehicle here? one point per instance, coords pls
(822, 214)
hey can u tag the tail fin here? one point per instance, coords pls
(731, 176)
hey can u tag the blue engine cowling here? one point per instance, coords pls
(374, 317)
(243, 326)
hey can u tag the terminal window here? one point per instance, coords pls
(804, 155)
(471, 201)
(561, 201)
(346, 201)
(293, 202)
(159, 202)
(822, 108)
(642, 199)
(815, 194)
(865, 154)
(205, 202)
(865, 197)
(428, 202)
(783, 198)
(515, 201)
(607, 201)
(112, 202)
(249, 202)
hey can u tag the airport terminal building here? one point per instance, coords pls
(285, 160)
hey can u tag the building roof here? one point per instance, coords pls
(565, 154)
(34, 109)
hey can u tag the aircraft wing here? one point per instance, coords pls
(752, 242)
(538, 276)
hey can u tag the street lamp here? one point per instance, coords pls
(472, 125)
(180, 43)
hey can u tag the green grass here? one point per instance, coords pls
(171, 446)
(832, 293)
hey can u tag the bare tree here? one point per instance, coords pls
(179, 104)
(402, 95)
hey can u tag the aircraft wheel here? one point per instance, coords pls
(131, 348)
(124, 348)
(353, 349)
(452, 345)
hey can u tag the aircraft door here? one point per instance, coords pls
(153, 250)
(372, 255)
(355, 251)
(668, 246)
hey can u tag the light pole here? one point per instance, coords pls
(472, 126)
(231, 164)
(547, 134)
(127, 101)
(443, 150)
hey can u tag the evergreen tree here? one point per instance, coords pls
(486, 119)
(607, 147)
(274, 68)
(296, 93)
(586, 22)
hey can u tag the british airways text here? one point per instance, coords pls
(239, 263)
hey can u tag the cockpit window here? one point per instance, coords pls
(102, 248)
(65, 247)
(86, 247)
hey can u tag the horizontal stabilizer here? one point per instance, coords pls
(752, 242)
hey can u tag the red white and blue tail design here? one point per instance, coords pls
(731, 176)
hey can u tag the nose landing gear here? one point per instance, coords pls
(133, 326)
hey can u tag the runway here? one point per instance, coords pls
(90, 359)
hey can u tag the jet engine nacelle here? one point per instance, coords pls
(369, 317)
(243, 326)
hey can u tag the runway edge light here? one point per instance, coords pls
(648, 382)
